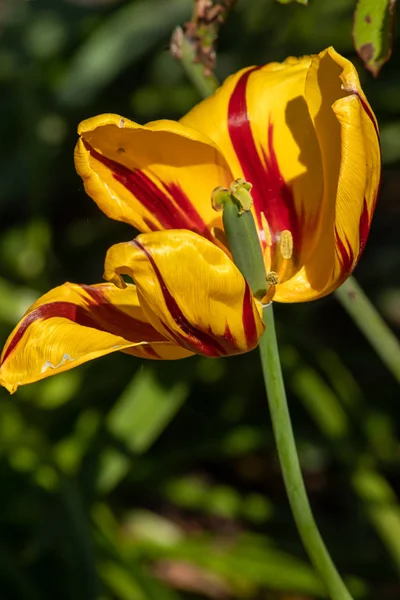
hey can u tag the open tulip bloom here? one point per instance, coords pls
(301, 132)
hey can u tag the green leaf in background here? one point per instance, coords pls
(120, 41)
(240, 562)
(138, 418)
(390, 141)
(372, 31)
(380, 503)
(144, 410)
(374, 492)
(111, 487)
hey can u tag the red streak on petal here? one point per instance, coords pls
(363, 228)
(150, 352)
(229, 339)
(346, 257)
(66, 310)
(99, 314)
(108, 317)
(192, 339)
(144, 351)
(249, 323)
(166, 201)
(369, 113)
(270, 192)
(371, 116)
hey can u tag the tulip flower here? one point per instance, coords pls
(301, 133)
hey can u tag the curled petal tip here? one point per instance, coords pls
(114, 278)
(132, 172)
(190, 291)
(73, 324)
(302, 132)
(10, 387)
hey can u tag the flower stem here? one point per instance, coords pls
(194, 44)
(290, 465)
(271, 366)
(369, 321)
(206, 84)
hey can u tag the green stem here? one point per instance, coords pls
(241, 232)
(271, 366)
(369, 321)
(206, 84)
(290, 465)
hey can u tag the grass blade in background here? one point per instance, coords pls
(121, 40)
(139, 416)
(374, 493)
(372, 325)
(144, 409)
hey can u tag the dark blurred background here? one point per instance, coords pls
(130, 480)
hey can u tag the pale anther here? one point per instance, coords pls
(286, 244)
(267, 231)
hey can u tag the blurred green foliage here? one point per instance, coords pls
(127, 480)
(373, 24)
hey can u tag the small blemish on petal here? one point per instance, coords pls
(121, 123)
(49, 365)
(120, 150)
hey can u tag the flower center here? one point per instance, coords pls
(277, 247)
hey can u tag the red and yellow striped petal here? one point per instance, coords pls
(348, 136)
(190, 291)
(304, 134)
(157, 176)
(259, 119)
(72, 324)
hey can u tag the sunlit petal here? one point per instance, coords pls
(259, 118)
(348, 137)
(190, 291)
(303, 133)
(157, 176)
(72, 324)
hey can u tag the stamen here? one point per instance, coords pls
(286, 244)
(267, 238)
(267, 231)
(272, 278)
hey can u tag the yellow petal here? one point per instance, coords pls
(259, 119)
(304, 134)
(348, 136)
(157, 176)
(190, 291)
(72, 324)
